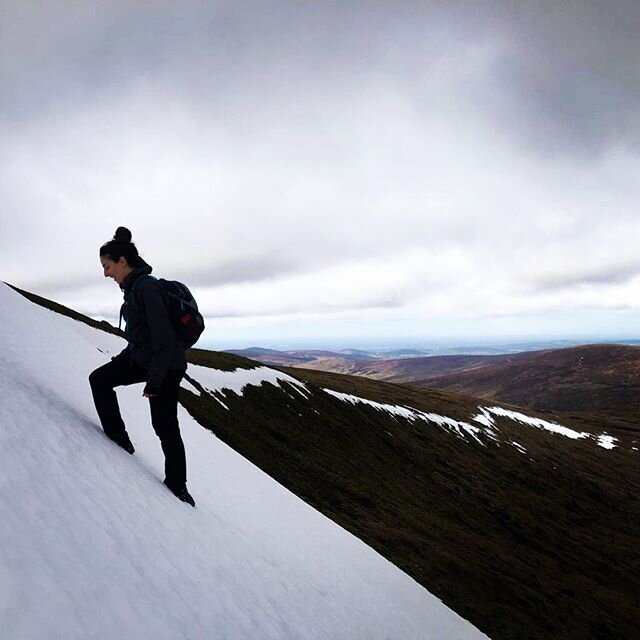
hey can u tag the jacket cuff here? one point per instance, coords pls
(152, 389)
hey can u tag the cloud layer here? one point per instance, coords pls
(408, 168)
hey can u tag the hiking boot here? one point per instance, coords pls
(181, 493)
(124, 442)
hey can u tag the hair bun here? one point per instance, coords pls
(122, 235)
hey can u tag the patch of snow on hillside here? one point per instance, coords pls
(215, 380)
(186, 384)
(518, 446)
(484, 418)
(539, 423)
(457, 426)
(606, 441)
(396, 410)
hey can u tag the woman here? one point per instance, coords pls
(153, 355)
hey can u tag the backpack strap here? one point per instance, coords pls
(131, 295)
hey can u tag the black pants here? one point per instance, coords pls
(164, 410)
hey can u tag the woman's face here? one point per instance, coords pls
(116, 270)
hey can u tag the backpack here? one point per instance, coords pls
(182, 307)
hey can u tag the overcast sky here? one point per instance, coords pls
(331, 170)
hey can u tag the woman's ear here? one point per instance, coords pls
(123, 262)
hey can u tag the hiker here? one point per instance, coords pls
(153, 356)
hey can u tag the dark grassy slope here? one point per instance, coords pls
(540, 546)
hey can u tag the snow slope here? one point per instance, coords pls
(92, 545)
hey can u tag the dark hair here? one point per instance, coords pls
(121, 245)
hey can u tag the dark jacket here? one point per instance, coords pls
(150, 334)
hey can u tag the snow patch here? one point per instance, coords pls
(186, 384)
(215, 380)
(397, 410)
(485, 418)
(457, 426)
(536, 422)
(518, 446)
(606, 441)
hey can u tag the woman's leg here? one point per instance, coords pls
(120, 371)
(164, 417)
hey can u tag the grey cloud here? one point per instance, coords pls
(603, 276)
(565, 76)
(61, 52)
(568, 79)
(274, 139)
(247, 269)
(377, 301)
(54, 285)
(250, 269)
(380, 300)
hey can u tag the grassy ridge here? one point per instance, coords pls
(541, 545)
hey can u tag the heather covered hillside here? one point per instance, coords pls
(586, 378)
(523, 522)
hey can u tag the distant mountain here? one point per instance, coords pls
(384, 354)
(585, 378)
(366, 355)
(404, 353)
(404, 366)
(601, 377)
(418, 370)
(344, 359)
(304, 357)
(353, 361)
(524, 522)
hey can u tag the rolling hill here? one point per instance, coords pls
(585, 378)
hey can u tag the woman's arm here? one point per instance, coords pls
(162, 334)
